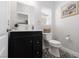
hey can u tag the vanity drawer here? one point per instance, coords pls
(37, 40)
(29, 33)
(37, 54)
(39, 48)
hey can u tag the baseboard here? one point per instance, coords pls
(70, 51)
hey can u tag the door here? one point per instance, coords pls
(4, 16)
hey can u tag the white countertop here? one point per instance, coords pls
(23, 30)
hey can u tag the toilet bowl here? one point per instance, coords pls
(54, 47)
(55, 43)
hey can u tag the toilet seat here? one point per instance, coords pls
(52, 42)
(55, 43)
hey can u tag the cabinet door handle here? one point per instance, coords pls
(37, 52)
(37, 42)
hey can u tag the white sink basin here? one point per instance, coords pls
(55, 43)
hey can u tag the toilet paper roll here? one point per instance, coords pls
(67, 38)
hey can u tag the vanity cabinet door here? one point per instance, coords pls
(20, 46)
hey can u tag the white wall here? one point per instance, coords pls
(65, 26)
(36, 11)
(49, 5)
(33, 11)
(18, 7)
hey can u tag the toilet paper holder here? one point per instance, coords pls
(67, 37)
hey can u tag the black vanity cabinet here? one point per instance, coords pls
(25, 44)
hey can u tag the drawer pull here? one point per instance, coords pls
(37, 52)
(30, 41)
(37, 42)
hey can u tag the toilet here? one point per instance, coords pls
(52, 42)
(54, 45)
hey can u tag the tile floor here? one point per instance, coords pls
(63, 54)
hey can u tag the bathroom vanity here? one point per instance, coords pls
(25, 44)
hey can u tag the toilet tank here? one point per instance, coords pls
(49, 36)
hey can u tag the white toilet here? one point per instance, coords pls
(54, 45)
(53, 42)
